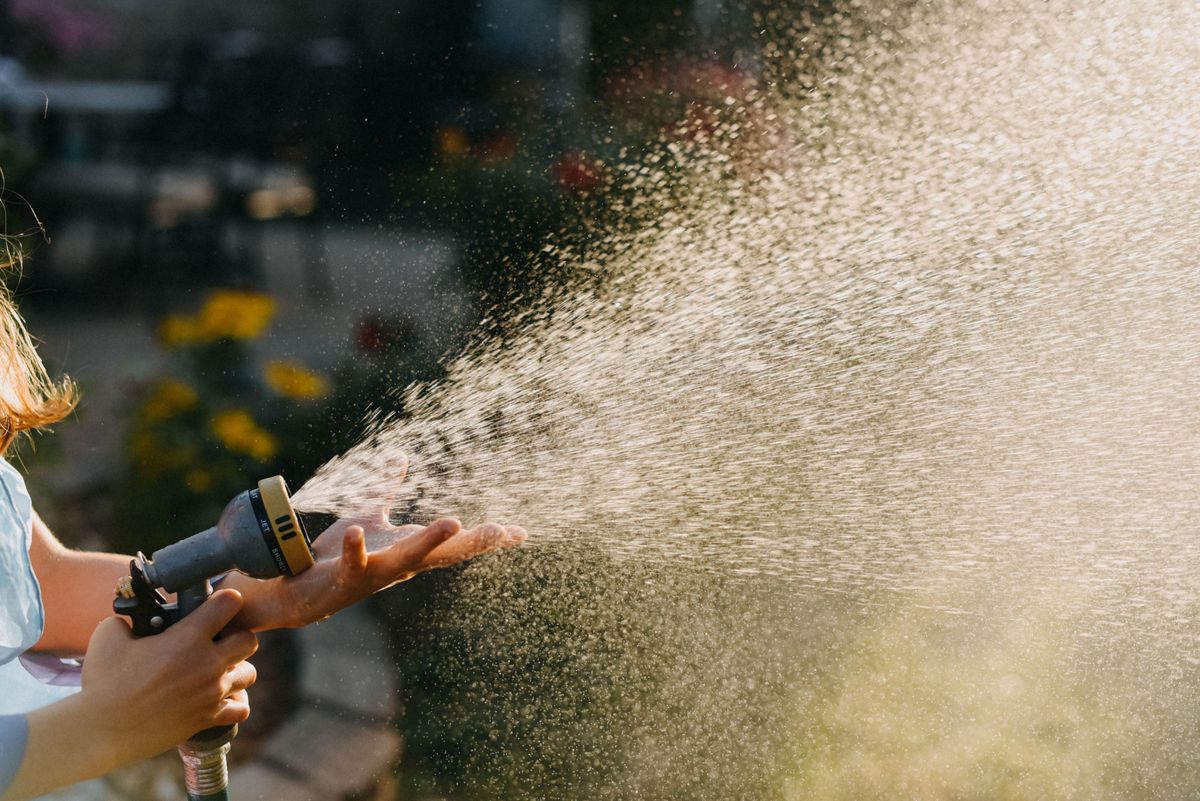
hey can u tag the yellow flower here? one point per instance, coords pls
(145, 449)
(179, 329)
(169, 398)
(238, 432)
(227, 314)
(263, 446)
(233, 314)
(198, 481)
(293, 380)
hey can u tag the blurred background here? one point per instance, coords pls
(917, 525)
(249, 223)
(373, 178)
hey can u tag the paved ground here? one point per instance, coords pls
(107, 348)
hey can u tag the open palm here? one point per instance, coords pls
(360, 556)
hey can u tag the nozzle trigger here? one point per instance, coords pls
(146, 608)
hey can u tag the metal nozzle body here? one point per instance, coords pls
(205, 772)
(235, 542)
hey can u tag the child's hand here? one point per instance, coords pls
(360, 556)
(153, 693)
(349, 569)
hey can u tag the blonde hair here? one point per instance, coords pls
(29, 399)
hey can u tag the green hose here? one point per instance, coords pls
(220, 795)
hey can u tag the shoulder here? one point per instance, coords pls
(9, 474)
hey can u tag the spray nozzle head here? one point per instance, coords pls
(258, 533)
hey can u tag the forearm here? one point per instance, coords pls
(77, 590)
(66, 743)
(77, 593)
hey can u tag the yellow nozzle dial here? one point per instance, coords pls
(289, 532)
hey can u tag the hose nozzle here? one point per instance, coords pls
(258, 533)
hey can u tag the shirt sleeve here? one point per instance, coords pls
(21, 615)
(14, 732)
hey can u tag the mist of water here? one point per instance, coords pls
(874, 452)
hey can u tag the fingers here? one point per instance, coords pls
(407, 554)
(238, 677)
(479, 540)
(433, 535)
(430, 537)
(233, 709)
(354, 550)
(213, 615)
(236, 647)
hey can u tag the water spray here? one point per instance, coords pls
(258, 534)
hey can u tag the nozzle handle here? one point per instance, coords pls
(192, 560)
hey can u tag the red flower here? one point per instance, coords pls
(371, 335)
(576, 173)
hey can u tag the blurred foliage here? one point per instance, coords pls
(220, 418)
(217, 421)
(502, 196)
(533, 199)
(388, 356)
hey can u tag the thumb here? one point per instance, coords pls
(214, 614)
(354, 550)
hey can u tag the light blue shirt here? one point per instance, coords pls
(27, 681)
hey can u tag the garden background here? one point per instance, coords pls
(247, 225)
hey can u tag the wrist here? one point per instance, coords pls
(112, 741)
(75, 726)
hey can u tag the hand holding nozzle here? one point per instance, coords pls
(259, 534)
(182, 680)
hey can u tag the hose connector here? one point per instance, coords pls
(205, 772)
